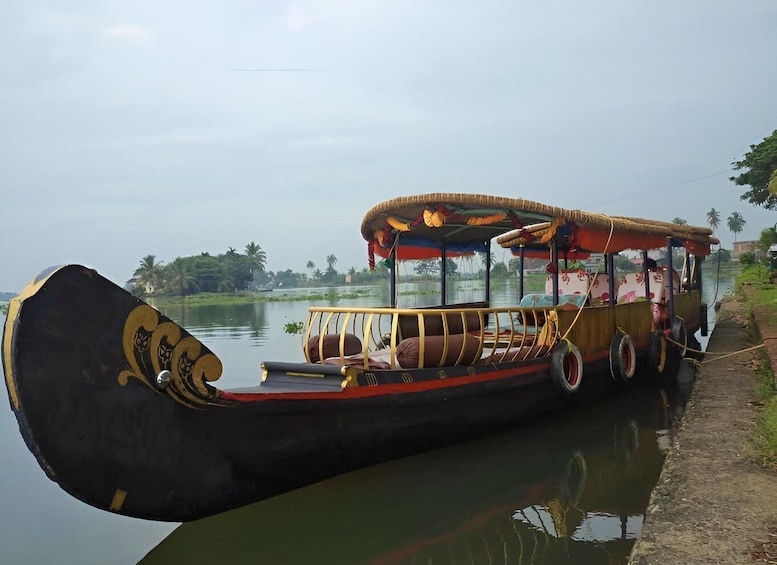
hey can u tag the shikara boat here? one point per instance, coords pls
(116, 403)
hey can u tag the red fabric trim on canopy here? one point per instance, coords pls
(697, 248)
(597, 240)
(406, 253)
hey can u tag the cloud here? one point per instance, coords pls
(126, 32)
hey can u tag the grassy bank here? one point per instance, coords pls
(761, 300)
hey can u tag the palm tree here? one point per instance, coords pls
(231, 252)
(226, 284)
(736, 223)
(713, 219)
(680, 221)
(487, 258)
(257, 256)
(149, 274)
(178, 278)
(331, 260)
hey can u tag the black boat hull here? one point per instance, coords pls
(81, 357)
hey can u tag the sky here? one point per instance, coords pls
(180, 127)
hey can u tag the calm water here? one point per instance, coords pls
(552, 491)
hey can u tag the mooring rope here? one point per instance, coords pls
(722, 354)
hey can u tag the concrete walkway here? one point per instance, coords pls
(715, 502)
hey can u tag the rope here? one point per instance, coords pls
(722, 354)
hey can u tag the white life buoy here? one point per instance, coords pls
(566, 367)
(623, 357)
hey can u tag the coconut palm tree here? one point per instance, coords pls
(178, 277)
(257, 255)
(713, 219)
(331, 260)
(226, 284)
(680, 221)
(149, 274)
(736, 224)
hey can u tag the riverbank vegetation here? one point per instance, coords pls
(760, 295)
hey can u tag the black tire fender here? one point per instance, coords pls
(680, 335)
(623, 357)
(657, 352)
(566, 367)
(703, 319)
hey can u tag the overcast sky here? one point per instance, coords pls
(171, 128)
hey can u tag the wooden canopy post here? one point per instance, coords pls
(444, 274)
(488, 271)
(670, 274)
(393, 276)
(554, 275)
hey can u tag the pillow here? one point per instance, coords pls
(536, 300)
(572, 301)
(351, 346)
(358, 361)
(408, 351)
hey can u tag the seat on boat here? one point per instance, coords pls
(377, 360)
(632, 287)
(569, 282)
(433, 323)
(546, 300)
(329, 346)
(463, 349)
(600, 289)
(528, 346)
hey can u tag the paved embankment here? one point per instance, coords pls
(714, 502)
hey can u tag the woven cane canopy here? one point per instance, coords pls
(419, 225)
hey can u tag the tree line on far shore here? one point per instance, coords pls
(232, 271)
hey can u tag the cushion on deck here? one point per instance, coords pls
(546, 300)
(358, 361)
(351, 346)
(408, 351)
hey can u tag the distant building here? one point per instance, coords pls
(743, 247)
(147, 287)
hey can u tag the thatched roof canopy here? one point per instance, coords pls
(460, 220)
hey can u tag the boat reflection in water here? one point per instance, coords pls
(569, 488)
